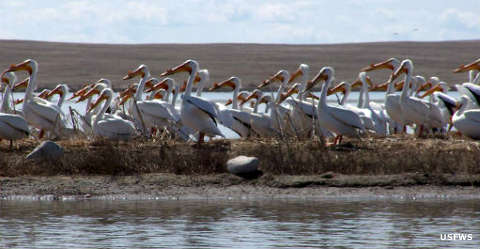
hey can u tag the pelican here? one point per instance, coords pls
(445, 103)
(12, 126)
(421, 112)
(38, 112)
(392, 99)
(282, 121)
(337, 119)
(154, 113)
(233, 118)
(111, 127)
(467, 121)
(196, 112)
(261, 124)
(60, 89)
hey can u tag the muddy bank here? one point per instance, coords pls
(397, 165)
(224, 186)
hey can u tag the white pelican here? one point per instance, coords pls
(12, 126)
(337, 119)
(111, 127)
(9, 79)
(282, 121)
(392, 99)
(60, 89)
(261, 124)
(467, 121)
(421, 112)
(196, 112)
(445, 103)
(377, 116)
(38, 112)
(154, 113)
(233, 118)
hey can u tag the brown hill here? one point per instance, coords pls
(76, 63)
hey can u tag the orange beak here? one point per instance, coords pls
(160, 85)
(384, 64)
(82, 91)
(399, 85)
(227, 83)
(133, 74)
(24, 66)
(426, 85)
(184, 67)
(97, 102)
(289, 93)
(278, 76)
(432, 90)
(125, 98)
(317, 78)
(45, 94)
(158, 95)
(472, 66)
(22, 84)
(295, 75)
(253, 95)
(57, 90)
(229, 102)
(88, 94)
(338, 88)
(313, 96)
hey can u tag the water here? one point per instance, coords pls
(222, 97)
(238, 224)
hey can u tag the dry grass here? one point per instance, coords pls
(77, 63)
(389, 156)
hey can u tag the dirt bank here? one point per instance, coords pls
(168, 169)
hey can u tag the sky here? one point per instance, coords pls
(239, 21)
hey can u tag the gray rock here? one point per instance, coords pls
(243, 165)
(47, 150)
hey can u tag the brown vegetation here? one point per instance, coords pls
(369, 156)
(75, 63)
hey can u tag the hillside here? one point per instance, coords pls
(76, 63)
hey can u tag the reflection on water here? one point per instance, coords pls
(237, 224)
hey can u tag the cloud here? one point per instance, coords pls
(269, 21)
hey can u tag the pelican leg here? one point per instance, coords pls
(11, 144)
(201, 138)
(339, 139)
(40, 135)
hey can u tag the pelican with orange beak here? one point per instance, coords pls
(466, 120)
(196, 112)
(471, 68)
(261, 124)
(445, 103)
(113, 127)
(337, 119)
(12, 126)
(38, 112)
(392, 99)
(233, 118)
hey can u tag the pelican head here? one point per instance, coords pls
(391, 64)
(325, 74)
(302, 70)
(187, 66)
(233, 82)
(256, 94)
(104, 95)
(405, 67)
(96, 89)
(29, 65)
(166, 84)
(141, 71)
(106, 82)
(60, 89)
(9, 78)
(280, 76)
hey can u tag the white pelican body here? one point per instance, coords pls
(196, 112)
(12, 126)
(337, 119)
(467, 121)
(38, 112)
(111, 127)
(421, 112)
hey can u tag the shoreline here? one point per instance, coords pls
(161, 186)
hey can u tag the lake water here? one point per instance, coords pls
(340, 223)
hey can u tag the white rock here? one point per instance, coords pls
(242, 165)
(47, 150)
